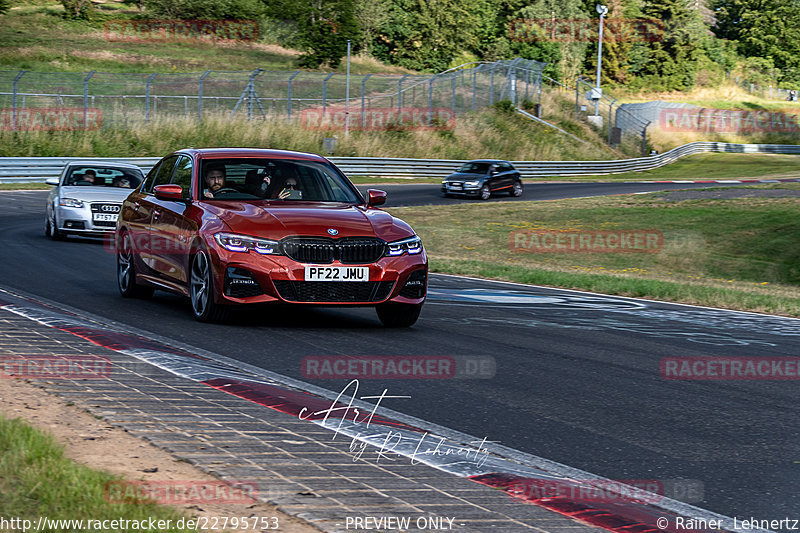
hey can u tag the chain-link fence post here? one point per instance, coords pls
(363, 101)
(200, 95)
(539, 82)
(86, 97)
(491, 86)
(430, 95)
(325, 92)
(453, 94)
(147, 97)
(289, 95)
(644, 139)
(474, 87)
(14, 100)
(400, 93)
(610, 106)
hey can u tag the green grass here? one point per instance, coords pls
(37, 480)
(23, 186)
(36, 37)
(737, 253)
(476, 135)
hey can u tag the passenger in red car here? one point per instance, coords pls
(256, 184)
(284, 191)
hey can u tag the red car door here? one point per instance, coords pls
(144, 212)
(171, 230)
(136, 211)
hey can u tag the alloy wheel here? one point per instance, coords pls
(200, 282)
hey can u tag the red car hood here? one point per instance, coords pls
(260, 219)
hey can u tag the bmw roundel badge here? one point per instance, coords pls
(333, 232)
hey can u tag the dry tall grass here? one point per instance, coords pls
(487, 134)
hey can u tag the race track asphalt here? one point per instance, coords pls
(577, 375)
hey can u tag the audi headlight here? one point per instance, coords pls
(70, 202)
(243, 243)
(473, 183)
(411, 246)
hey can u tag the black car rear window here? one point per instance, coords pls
(475, 168)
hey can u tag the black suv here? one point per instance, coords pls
(482, 178)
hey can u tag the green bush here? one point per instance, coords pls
(205, 9)
(77, 9)
(505, 106)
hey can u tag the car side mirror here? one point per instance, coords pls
(52, 181)
(169, 192)
(375, 197)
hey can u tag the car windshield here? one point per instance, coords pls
(275, 180)
(103, 177)
(475, 168)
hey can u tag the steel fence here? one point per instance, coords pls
(263, 93)
(617, 126)
(672, 116)
(37, 169)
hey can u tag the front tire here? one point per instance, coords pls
(126, 273)
(201, 291)
(51, 230)
(485, 192)
(398, 315)
(516, 190)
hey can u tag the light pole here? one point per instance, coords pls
(347, 95)
(602, 10)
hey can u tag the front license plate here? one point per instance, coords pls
(455, 185)
(337, 274)
(105, 217)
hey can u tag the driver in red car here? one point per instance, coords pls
(214, 180)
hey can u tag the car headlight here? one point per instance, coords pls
(243, 243)
(70, 202)
(411, 246)
(473, 183)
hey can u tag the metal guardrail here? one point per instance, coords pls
(37, 169)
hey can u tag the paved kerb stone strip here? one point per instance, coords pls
(213, 415)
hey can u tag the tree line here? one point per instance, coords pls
(648, 44)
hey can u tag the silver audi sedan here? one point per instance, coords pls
(86, 198)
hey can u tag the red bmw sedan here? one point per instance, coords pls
(231, 226)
